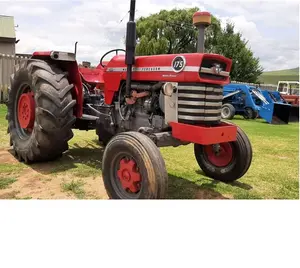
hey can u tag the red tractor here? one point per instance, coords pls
(136, 105)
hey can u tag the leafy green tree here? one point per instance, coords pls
(245, 67)
(172, 32)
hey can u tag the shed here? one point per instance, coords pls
(7, 35)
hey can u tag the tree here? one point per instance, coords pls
(245, 67)
(172, 32)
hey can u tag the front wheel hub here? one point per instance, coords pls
(219, 155)
(129, 176)
(26, 110)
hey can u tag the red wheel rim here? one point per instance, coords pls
(129, 176)
(220, 157)
(26, 111)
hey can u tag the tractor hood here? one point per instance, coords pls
(191, 68)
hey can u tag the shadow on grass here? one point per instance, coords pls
(86, 160)
(258, 120)
(180, 188)
(237, 184)
(89, 155)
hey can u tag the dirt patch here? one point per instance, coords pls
(210, 194)
(34, 183)
(7, 158)
(8, 194)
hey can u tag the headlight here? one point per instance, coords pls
(168, 89)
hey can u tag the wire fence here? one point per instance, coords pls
(262, 86)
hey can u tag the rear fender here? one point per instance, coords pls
(67, 62)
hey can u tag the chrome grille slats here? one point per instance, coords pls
(199, 103)
(205, 111)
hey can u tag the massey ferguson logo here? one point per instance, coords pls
(217, 68)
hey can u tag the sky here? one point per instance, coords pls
(272, 27)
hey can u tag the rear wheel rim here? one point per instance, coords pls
(26, 107)
(221, 156)
(25, 111)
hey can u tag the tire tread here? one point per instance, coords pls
(54, 111)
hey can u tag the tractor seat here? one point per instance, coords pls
(93, 76)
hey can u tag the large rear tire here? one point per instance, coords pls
(230, 163)
(40, 111)
(133, 168)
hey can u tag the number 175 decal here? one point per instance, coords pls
(178, 64)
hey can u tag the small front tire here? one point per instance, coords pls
(227, 163)
(228, 111)
(133, 168)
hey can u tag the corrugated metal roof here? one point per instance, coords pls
(7, 27)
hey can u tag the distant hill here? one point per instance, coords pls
(274, 76)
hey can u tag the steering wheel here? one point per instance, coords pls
(118, 49)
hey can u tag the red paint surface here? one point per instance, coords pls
(41, 53)
(129, 177)
(74, 78)
(293, 99)
(92, 75)
(203, 13)
(204, 135)
(113, 79)
(223, 157)
(26, 110)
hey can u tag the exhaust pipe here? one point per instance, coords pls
(201, 20)
(130, 47)
(75, 50)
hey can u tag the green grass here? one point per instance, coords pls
(6, 182)
(75, 187)
(273, 174)
(3, 126)
(281, 75)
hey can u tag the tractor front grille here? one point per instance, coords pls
(199, 104)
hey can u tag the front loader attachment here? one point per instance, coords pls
(294, 114)
(276, 97)
(275, 113)
(273, 110)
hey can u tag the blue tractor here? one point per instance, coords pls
(251, 103)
